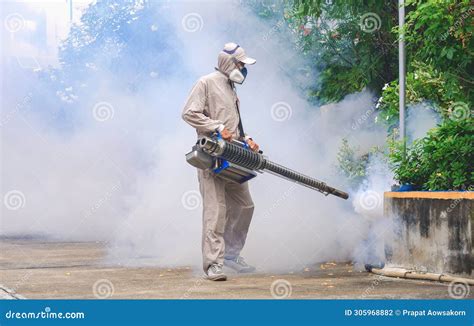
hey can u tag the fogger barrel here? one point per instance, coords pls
(247, 159)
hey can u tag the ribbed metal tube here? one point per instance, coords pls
(254, 161)
(243, 157)
(233, 153)
(293, 175)
(303, 179)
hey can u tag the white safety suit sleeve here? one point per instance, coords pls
(193, 111)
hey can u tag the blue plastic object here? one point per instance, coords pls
(224, 164)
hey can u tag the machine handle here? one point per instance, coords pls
(238, 142)
(244, 144)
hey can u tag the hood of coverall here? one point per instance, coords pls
(225, 63)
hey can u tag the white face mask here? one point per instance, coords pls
(238, 76)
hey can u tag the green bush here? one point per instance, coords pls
(443, 160)
(351, 165)
(439, 56)
(424, 83)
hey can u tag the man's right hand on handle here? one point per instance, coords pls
(226, 134)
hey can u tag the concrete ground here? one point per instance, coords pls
(76, 270)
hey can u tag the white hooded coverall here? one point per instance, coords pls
(227, 206)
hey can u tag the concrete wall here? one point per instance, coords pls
(433, 231)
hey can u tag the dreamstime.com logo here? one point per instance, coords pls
(281, 289)
(192, 22)
(275, 28)
(458, 289)
(103, 289)
(46, 314)
(14, 200)
(14, 22)
(370, 22)
(103, 111)
(191, 200)
(370, 200)
(456, 202)
(459, 111)
(281, 111)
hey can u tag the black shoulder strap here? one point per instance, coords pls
(241, 127)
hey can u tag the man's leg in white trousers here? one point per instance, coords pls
(240, 209)
(214, 218)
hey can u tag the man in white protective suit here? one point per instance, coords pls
(213, 106)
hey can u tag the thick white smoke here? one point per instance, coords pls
(117, 174)
(421, 118)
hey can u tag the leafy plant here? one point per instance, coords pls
(423, 82)
(348, 56)
(440, 161)
(439, 33)
(351, 165)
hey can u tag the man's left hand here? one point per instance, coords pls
(253, 145)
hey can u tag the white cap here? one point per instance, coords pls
(238, 52)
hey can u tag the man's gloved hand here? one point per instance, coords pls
(253, 145)
(226, 134)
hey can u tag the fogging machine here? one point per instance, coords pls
(234, 161)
